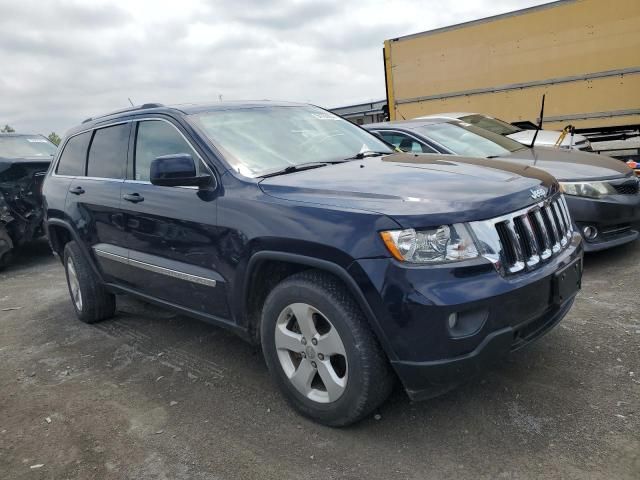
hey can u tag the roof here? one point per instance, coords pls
(514, 13)
(193, 108)
(452, 115)
(2, 134)
(407, 124)
(184, 109)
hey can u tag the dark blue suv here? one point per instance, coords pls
(351, 264)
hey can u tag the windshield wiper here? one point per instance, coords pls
(368, 153)
(297, 168)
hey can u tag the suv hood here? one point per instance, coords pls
(570, 164)
(416, 190)
(546, 137)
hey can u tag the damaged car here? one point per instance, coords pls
(24, 161)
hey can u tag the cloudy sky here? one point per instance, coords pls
(64, 60)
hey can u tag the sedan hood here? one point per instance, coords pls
(570, 164)
(417, 190)
(545, 137)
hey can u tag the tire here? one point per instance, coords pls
(90, 299)
(346, 382)
(6, 248)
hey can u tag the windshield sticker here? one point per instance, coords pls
(325, 116)
(36, 140)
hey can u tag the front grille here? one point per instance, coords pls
(522, 240)
(630, 187)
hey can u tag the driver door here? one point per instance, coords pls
(172, 233)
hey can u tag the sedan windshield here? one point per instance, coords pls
(465, 139)
(260, 140)
(492, 124)
(25, 146)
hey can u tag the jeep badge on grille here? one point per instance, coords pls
(537, 193)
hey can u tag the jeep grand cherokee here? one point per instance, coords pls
(350, 264)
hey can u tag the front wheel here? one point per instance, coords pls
(321, 351)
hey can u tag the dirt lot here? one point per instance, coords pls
(159, 396)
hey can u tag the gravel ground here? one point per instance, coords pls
(155, 395)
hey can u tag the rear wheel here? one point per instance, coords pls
(321, 351)
(90, 299)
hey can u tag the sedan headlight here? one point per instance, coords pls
(447, 243)
(588, 189)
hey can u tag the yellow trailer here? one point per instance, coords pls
(583, 54)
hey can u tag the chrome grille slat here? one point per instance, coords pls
(532, 241)
(555, 213)
(517, 247)
(546, 212)
(523, 240)
(567, 217)
(546, 252)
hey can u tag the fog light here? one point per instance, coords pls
(469, 322)
(453, 321)
(590, 232)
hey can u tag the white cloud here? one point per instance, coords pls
(64, 60)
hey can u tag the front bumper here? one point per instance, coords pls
(615, 217)
(423, 380)
(413, 306)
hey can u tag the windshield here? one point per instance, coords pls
(21, 146)
(259, 140)
(465, 139)
(492, 124)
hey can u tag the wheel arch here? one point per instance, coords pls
(252, 307)
(59, 233)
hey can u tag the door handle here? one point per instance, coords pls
(133, 197)
(77, 190)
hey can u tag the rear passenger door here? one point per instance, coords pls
(93, 200)
(172, 231)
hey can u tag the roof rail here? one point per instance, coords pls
(131, 109)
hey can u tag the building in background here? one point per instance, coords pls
(363, 113)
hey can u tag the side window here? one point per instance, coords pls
(108, 152)
(157, 138)
(72, 161)
(406, 143)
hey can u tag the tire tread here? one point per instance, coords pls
(98, 303)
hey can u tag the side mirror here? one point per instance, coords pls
(177, 171)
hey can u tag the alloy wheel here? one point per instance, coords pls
(74, 285)
(311, 353)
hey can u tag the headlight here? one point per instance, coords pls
(587, 189)
(447, 243)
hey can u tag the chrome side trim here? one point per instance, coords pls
(111, 256)
(156, 269)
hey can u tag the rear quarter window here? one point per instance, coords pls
(73, 159)
(108, 152)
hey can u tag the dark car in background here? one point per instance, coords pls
(349, 263)
(24, 160)
(602, 193)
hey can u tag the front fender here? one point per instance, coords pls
(339, 271)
